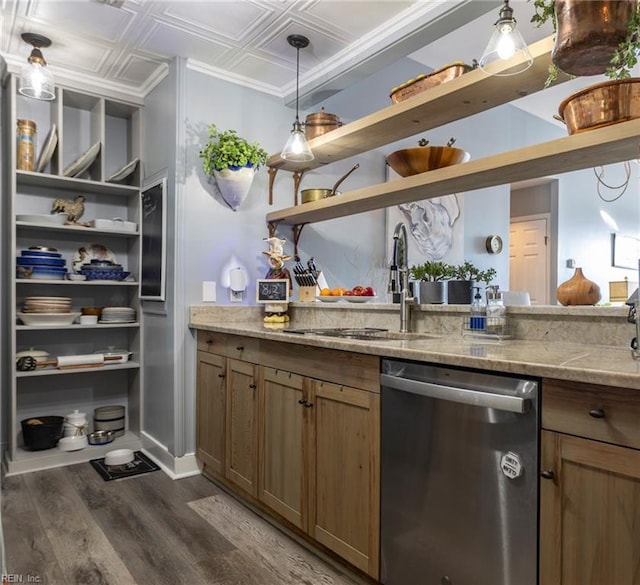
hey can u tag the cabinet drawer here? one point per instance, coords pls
(243, 348)
(212, 342)
(595, 412)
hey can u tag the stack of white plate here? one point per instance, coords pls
(47, 305)
(110, 418)
(118, 315)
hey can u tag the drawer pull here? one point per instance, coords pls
(221, 375)
(240, 347)
(546, 474)
(596, 413)
(302, 401)
(308, 405)
(252, 386)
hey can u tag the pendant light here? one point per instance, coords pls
(297, 149)
(36, 80)
(506, 43)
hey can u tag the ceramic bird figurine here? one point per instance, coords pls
(74, 209)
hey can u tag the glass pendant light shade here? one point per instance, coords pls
(297, 148)
(506, 43)
(36, 80)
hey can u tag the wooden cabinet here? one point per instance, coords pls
(284, 466)
(80, 120)
(344, 478)
(304, 448)
(590, 489)
(319, 462)
(211, 406)
(241, 454)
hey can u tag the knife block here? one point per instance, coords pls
(307, 294)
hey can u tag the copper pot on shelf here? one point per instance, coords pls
(601, 104)
(320, 123)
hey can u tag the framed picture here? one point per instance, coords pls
(625, 251)
(435, 227)
(153, 252)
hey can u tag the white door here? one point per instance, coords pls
(529, 258)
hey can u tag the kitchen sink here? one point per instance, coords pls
(363, 333)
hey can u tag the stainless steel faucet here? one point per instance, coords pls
(399, 276)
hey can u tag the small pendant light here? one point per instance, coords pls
(506, 43)
(297, 149)
(36, 80)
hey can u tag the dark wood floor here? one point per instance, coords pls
(67, 526)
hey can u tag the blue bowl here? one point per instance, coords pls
(41, 272)
(28, 261)
(39, 254)
(99, 274)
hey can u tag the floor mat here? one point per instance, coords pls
(140, 464)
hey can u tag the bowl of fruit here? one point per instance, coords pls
(357, 294)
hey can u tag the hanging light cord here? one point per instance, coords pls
(600, 176)
(297, 124)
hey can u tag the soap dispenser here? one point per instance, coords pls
(478, 311)
(495, 310)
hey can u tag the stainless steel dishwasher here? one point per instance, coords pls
(459, 474)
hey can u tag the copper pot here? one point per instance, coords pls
(601, 104)
(588, 33)
(320, 123)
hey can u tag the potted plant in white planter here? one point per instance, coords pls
(432, 276)
(233, 162)
(465, 276)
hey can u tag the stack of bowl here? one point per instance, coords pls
(109, 418)
(103, 270)
(40, 263)
(47, 311)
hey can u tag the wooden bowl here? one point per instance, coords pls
(412, 161)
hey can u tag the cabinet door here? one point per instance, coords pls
(589, 512)
(281, 445)
(210, 422)
(344, 474)
(241, 463)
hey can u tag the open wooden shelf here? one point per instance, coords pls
(469, 94)
(610, 144)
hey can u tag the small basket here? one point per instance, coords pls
(490, 329)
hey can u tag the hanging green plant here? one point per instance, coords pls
(226, 150)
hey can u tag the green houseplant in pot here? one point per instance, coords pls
(233, 162)
(431, 277)
(464, 278)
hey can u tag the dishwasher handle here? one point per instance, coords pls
(454, 394)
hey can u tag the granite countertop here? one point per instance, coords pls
(595, 364)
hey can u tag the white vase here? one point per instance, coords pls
(234, 185)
